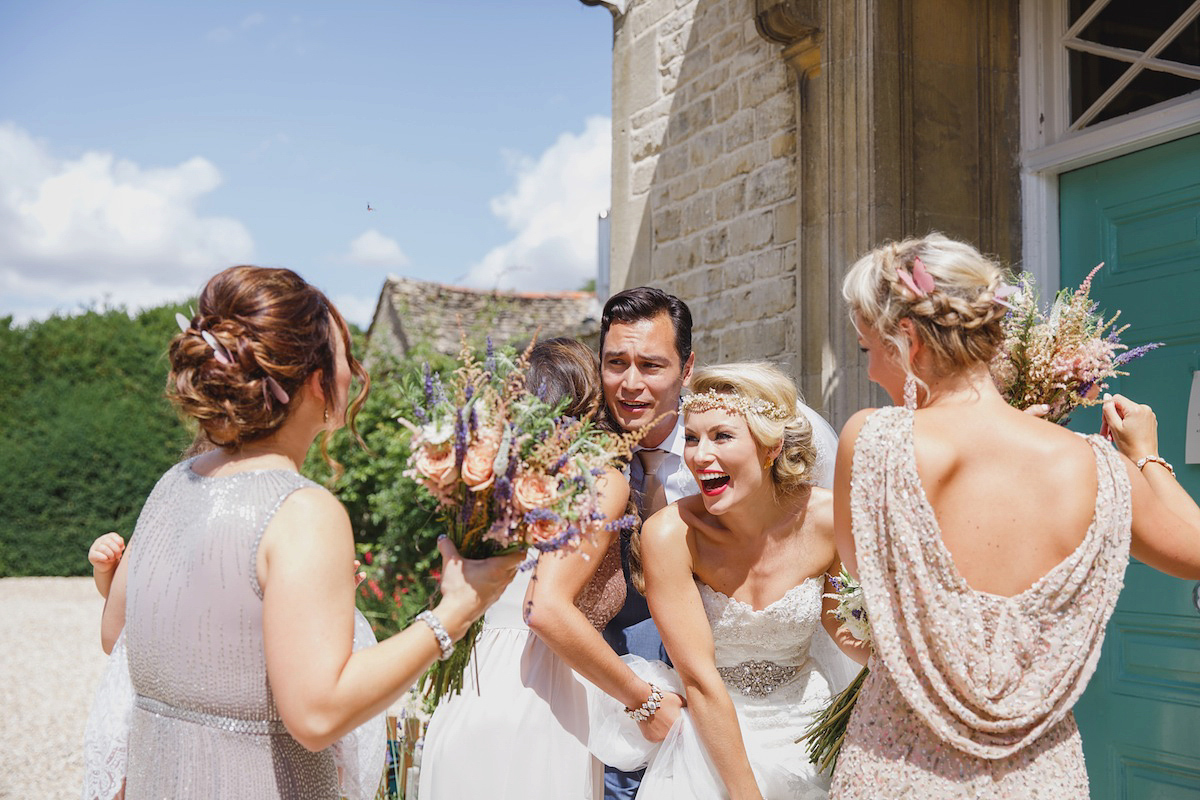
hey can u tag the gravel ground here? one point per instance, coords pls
(50, 663)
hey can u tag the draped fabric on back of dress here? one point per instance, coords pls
(205, 722)
(989, 674)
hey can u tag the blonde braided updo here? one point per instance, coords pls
(958, 321)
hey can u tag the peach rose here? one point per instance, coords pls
(477, 464)
(534, 490)
(437, 464)
(544, 529)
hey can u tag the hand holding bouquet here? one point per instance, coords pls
(508, 471)
(824, 737)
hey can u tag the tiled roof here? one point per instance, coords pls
(411, 311)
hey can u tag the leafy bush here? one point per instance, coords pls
(85, 432)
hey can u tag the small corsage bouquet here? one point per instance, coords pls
(824, 737)
(1061, 359)
(508, 470)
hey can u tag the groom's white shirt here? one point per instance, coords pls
(676, 478)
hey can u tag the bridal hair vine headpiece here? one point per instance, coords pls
(221, 354)
(734, 403)
(918, 280)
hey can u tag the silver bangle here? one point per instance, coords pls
(439, 632)
(646, 710)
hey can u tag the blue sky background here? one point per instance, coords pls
(146, 145)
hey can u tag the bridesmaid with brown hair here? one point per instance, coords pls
(235, 594)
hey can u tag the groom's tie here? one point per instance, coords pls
(653, 495)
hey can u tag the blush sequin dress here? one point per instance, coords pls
(204, 722)
(970, 693)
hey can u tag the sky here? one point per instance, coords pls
(147, 144)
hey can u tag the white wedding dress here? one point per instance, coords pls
(780, 667)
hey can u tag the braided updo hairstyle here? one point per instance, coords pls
(273, 325)
(959, 321)
(791, 472)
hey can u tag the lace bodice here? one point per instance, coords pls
(989, 674)
(780, 633)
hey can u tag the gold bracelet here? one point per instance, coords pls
(1144, 460)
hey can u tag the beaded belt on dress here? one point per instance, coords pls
(262, 727)
(757, 678)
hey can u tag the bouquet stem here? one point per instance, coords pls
(828, 729)
(446, 677)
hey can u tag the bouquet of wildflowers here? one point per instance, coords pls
(824, 737)
(1062, 359)
(508, 471)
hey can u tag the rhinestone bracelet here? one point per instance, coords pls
(439, 632)
(647, 709)
(1144, 460)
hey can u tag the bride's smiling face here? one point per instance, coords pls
(724, 457)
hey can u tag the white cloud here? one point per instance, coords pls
(225, 34)
(373, 249)
(552, 210)
(75, 231)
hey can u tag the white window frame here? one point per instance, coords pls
(1048, 145)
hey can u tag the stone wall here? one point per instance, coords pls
(704, 172)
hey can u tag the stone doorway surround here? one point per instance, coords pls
(901, 120)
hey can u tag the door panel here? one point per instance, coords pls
(1140, 214)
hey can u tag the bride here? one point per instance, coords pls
(735, 578)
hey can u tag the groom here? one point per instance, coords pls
(645, 360)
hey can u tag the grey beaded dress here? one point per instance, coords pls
(204, 722)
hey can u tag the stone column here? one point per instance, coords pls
(907, 124)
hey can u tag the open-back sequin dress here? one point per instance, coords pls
(970, 693)
(204, 722)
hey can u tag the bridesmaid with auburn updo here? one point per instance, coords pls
(235, 594)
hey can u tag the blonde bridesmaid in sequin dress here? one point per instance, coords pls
(234, 597)
(991, 545)
(522, 717)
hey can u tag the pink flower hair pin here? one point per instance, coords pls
(1002, 293)
(219, 351)
(222, 355)
(919, 281)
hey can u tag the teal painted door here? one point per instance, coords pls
(1140, 214)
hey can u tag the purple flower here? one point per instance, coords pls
(558, 541)
(428, 385)
(1137, 352)
(439, 391)
(468, 508)
(560, 463)
(627, 522)
(474, 421)
(489, 362)
(460, 438)
(540, 514)
(502, 490)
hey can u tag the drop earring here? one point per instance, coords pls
(326, 414)
(910, 392)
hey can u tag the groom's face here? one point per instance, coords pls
(642, 375)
